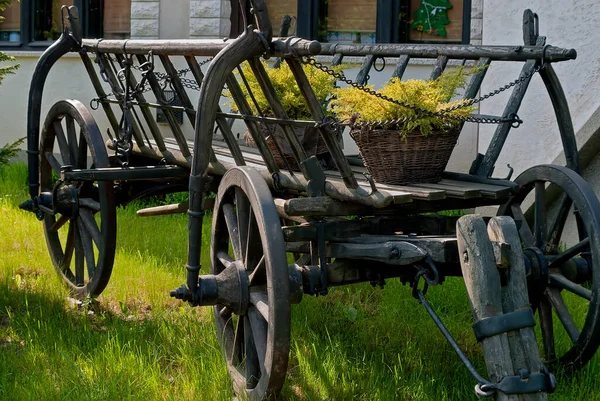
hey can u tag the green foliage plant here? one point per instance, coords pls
(354, 105)
(9, 151)
(287, 90)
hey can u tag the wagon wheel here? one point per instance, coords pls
(246, 231)
(81, 235)
(564, 275)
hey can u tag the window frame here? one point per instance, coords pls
(388, 29)
(26, 28)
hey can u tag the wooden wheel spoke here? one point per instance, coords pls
(87, 247)
(237, 354)
(252, 362)
(545, 313)
(244, 216)
(58, 224)
(224, 258)
(72, 138)
(580, 226)
(540, 227)
(560, 281)
(79, 258)
(557, 302)
(556, 229)
(233, 229)
(54, 163)
(91, 226)
(261, 302)
(259, 274)
(63, 145)
(570, 253)
(254, 248)
(524, 230)
(69, 246)
(81, 153)
(260, 331)
(90, 204)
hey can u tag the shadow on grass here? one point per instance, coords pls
(52, 349)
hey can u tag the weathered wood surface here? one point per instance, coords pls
(523, 345)
(336, 188)
(483, 286)
(505, 53)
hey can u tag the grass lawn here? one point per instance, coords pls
(358, 343)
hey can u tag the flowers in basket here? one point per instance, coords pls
(400, 144)
(293, 102)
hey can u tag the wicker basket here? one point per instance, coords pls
(391, 159)
(309, 146)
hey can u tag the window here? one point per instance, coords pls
(36, 23)
(381, 21)
(10, 27)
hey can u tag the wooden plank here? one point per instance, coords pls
(487, 191)
(453, 191)
(429, 194)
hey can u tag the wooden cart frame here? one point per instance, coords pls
(262, 211)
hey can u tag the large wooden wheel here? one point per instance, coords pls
(246, 232)
(564, 277)
(81, 232)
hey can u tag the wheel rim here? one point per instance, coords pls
(566, 340)
(246, 231)
(80, 238)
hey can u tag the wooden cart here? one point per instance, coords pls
(262, 213)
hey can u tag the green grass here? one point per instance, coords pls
(357, 343)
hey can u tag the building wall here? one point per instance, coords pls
(570, 24)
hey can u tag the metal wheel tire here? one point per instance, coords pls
(81, 236)
(558, 284)
(246, 229)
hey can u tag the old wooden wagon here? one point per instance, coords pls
(340, 225)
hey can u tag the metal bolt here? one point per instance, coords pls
(395, 253)
(465, 257)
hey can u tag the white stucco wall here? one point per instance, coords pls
(174, 21)
(565, 23)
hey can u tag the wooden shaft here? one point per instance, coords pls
(483, 286)
(523, 345)
(317, 112)
(279, 111)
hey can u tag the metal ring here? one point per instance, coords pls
(516, 121)
(543, 59)
(481, 392)
(382, 64)
(95, 103)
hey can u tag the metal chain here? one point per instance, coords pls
(160, 77)
(163, 77)
(443, 113)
